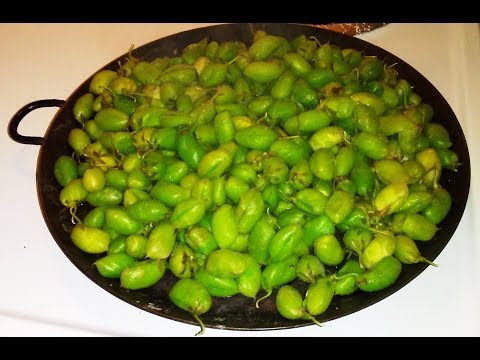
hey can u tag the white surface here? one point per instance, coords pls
(43, 294)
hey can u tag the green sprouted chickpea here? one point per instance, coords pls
(245, 167)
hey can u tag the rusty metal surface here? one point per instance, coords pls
(351, 29)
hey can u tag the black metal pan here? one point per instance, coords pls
(237, 312)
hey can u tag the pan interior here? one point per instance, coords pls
(239, 312)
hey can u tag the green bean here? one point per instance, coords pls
(289, 303)
(329, 250)
(92, 130)
(319, 77)
(118, 219)
(65, 169)
(136, 246)
(418, 227)
(346, 283)
(344, 161)
(224, 226)
(393, 124)
(131, 196)
(138, 179)
(203, 190)
(217, 286)
(283, 205)
(448, 159)
(366, 119)
(304, 94)
(379, 247)
(371, 68)
(188, 181)
(235, 188)
(78, 140)
(300, 175)
(214, 164)
(416, 201)
(175, 171)
(317, 227)
(322, 164)
(291, 150)
(356, 239)
(190, 295)
(219, 191)
(161, 241)
(259, 240)
(249, 210)
(318, 296)
(258, 137)
(309, 268)
(101, 81)
(112, 265)
(245, 172)
(90, 240)
(123, 86)
(275, 170)
(258, 106)
(391, 171)
(292, 216)
(324, 186)
(187, 212)
(437, 136)
(391, 198)
(190, 150)
(284, 242)
(233, 109)
(370, 100)
(206, 221)
(371, 145)
(111, 120)
(224, 127)
(438, 209)
(381, 276)
(280, 111)
(239, 155)
(83, 108)
(264, 71)
(147, 211)
(297, 63)
(226, 263)
(95, 218)
(73, 193)
(311, 201)
(357, 218)
(182, 262)
(183, 73)
(283, 87)
(250, 281)
(343, 107)
(277, 274)
(339, 206)
(326, 137)
(201, 240)
(407, 251)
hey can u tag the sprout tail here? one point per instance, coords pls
(202, 325)
(263, 298)
(422, 259)
(315, 321)
(75, 219)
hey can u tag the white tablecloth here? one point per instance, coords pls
(43, 294)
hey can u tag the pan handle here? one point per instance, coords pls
(20, 114)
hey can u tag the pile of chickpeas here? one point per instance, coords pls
(241, 168)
